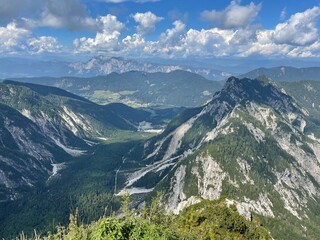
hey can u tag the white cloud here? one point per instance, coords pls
(11, 37)
(43, 44)
(264, 46)
(106, 39)
(170, 42)
(233, 33)
(147, 22)
(300, 29)
(297, 37)
(179, 41)
(234, 16)
(134, 41)
(110, 23)
(174, 35)
(15, 40)
(207, 42)
(217, 42)
(136, 45)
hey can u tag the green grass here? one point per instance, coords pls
(127, 136)
(205, 220)
(105, 97)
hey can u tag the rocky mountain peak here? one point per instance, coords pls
(262, 90)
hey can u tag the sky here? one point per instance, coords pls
(165, 29)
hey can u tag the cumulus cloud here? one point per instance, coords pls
(234, 16)
(300, 29)
(15, 40)
(136, 45)
(300, 39)
(43, 44)
(232, 32)
(147, 22)
(182, 42)
(170, 41)
(10, 38)
(265, 46)
(296, 37)
(179, 42)
(174, 35)
(206, 42)
(106, 38)
(312, 50)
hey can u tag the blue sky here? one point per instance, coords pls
(169, 29)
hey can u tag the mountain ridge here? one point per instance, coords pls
(140, 89)
(105, 65)
(43, 128)
(285, 73)
(250, 143)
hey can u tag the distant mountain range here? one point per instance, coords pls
(102, 65)
(96, 66)
(139, 89)
(285, 74)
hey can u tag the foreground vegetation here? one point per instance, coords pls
(205, 220)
